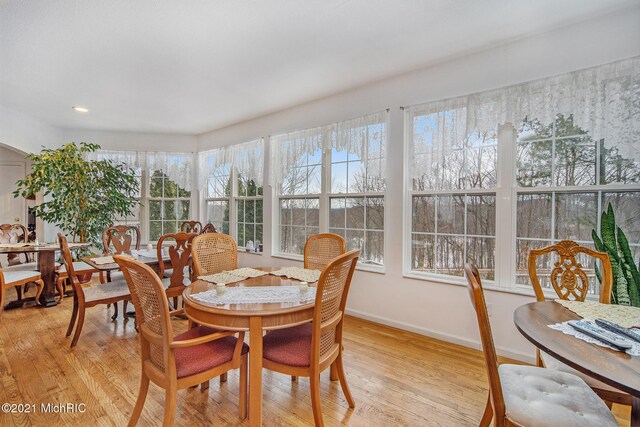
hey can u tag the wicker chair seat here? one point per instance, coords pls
(200, 358)
(289, 346)
(104, 291)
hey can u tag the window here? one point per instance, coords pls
(453, 198)
(351, 203)
(234, 189)
(543, 158)
(358, 185)
(169, 205)
(218, 194)
(562, 179)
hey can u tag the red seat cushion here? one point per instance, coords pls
(200, 358)
(290, 346)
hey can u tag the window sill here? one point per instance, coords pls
(487, 286)
(249, 252)
(378, 269)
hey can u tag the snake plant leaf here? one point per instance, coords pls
(621, 286)
(608, 229)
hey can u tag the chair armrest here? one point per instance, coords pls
(200, 340)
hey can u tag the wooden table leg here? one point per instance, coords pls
(47, 268)
(635, 411)
(255, 371)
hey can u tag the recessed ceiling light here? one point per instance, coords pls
(80, 109)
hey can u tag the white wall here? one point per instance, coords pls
(114, 140)
(437, 309)
(25, 133)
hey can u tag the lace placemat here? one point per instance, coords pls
(233, 276)
(257, 295)
(623, 315)
(103, 260)
(567, 329)
(298, 273)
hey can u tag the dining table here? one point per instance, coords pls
(256, 318)
(614, 368)
(46, 264)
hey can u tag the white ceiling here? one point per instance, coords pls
(193, 66)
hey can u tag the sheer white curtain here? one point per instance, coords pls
(288, 149)
(177, 166)
(211, 160)
(603, 100)
(248, 158)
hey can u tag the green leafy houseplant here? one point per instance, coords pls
(626, 278)
(82, 197)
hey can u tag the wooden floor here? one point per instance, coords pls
(396, 378)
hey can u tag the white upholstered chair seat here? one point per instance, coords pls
(552, 363)
(545, 397)
(166, 281)
(112, 289)
(29, 266)
(13, 276)
(78, 266)
(169, 271)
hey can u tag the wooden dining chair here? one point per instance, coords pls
(209, 228)
(213, 253)
(181, 361)
(17, 233)
(191, 227)
(18, 278)
(121, 238)
(309, 349)
(522, 395)
(320, 249)
(179, 247)
(83, 298)
(570, 282)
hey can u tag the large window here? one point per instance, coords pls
(453, 199)
(169, 205)
(233, 177)
(564, 180)
(495, 174)
(346, 197)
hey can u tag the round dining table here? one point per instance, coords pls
(254, 318)
(614, 368)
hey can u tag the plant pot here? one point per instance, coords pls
(84, 277)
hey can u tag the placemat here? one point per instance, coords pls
(305, 275)
(567, 329)
(103, 260)
(233, 276)
(623, 315)
(257, 295)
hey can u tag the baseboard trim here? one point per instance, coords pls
(454, 339)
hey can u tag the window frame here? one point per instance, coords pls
(324, 201)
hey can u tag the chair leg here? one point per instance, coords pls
(76, 335)
(223, 378)
(102, 278)
(175, 303)
(169, 405)
(488, 414)
(333, 373)
(343, 381)
(74, 316)
(19, 290)
(60, 288)
(40, 284)
(314, 382)
(204, 385)
(243, 386)
(125, 303)
(142, 396)
(115, 311)
(1, 299)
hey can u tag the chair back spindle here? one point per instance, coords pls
(179, 254)
(568, 276)
(121, 237)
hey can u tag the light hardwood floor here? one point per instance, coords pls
(397, 378)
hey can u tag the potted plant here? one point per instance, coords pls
(81, 197)
(626, 277)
